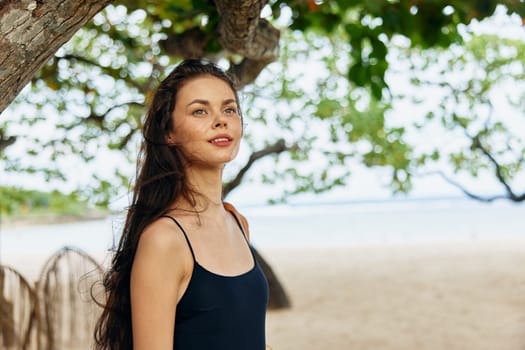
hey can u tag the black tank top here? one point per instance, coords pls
(220, 312)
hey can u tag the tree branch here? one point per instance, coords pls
(71, 57)
(276, 148)
(476, 143)
(189, 44)
(99, 119)
(247, 71)
(511, 196)
(125, 140)
(31, 32)
(242, 31)
(5, 141)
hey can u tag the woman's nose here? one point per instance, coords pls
(220, 121)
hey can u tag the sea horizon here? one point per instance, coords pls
(308, 224)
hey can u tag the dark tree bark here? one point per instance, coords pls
(189, 44)
(241, 31)
(278, 297)
(5, 141)
(508, 194)
(31, 32)
(276, 148)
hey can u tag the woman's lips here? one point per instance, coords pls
(221, 141)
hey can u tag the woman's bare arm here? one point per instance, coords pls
(159, 267)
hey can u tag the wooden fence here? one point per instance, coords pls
(57, 312)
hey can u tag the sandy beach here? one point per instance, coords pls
(464, 296)
(396, 296)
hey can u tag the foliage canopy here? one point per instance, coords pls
(325, 104)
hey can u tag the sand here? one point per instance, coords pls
(464, 296)
(408, 296)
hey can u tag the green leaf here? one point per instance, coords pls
(326, 108)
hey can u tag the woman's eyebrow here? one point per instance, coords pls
(228, 101)
(199, 101)
(206, 102)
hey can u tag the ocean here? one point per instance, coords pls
(308, 225)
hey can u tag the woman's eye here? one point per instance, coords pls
(230, 110)
(199, 112)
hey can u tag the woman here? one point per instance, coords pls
(183, 276)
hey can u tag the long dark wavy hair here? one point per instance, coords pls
(160, 180)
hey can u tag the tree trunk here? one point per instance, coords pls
(278, 297)
(31, 32)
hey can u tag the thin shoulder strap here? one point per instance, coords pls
(241, 221)
(184, 232)
(240, 226)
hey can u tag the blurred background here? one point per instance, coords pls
(382, 166)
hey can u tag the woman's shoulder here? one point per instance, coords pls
(229, 207)
(162, 237)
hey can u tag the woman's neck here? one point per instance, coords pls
(207, 186)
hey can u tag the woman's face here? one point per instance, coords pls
(207, 123)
